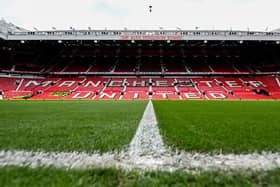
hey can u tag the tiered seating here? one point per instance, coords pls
(5, 66)
(174, 66)
(139, 94)
(198, 65)
(77, 67)
(141, 88)
(48, 96)
(80, 95)
(240, 88)
(188, 90)
(136, 82)
(150, 66)
(207, 84)
(64, 84)
(27, 67)
(163, 88)
(9, 83)
(272, 84)
(116, 85)
(241, 67)
(59, 67)
(47, 83)
(210, 88)
(16, 94)
(136, 88)
(165, 95)
(163, 82)
(174, 52)
(234, 85)
(92, 84)
(56, 88)
(220, 65)
(108, 95)
(29, 84)
(126, 66)
(103, 65)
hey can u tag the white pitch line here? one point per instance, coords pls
(55, 159)
(147, 140)
(146, 151)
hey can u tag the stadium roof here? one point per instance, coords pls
(9, 31)
(276, 30)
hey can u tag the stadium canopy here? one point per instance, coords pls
(12, 32)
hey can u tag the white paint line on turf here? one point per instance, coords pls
(147, 140)
(146, 151)
(146, 148)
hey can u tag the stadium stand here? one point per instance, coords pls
(141, 88)
(147, 69)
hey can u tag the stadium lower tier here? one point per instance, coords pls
(140, 88)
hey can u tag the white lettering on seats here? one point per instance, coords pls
(165, 95)
(46, 83)
(67, 83)
(92, 84)
(218, 95)
(112, 84)
(162, 83)
(32, 82)
(208, 83)
(257, 83)
(78, 95)
(185, 84)
(233, 84)
(136, 96)
(135, 83)
(278, 82)
(192, 96)
(110, 96)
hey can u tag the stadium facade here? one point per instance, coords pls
(138, 64)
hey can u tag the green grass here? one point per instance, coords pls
(68, 125)
(27, 177)
(227, 126)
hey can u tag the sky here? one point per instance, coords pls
(258, 15)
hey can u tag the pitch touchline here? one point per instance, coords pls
(146, 151)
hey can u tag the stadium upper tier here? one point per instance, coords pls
(51, 58)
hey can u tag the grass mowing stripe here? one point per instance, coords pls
(214, 126)
(86, 126)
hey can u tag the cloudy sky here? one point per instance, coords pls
(134, 14)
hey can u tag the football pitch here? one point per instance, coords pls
(108, 126)
(68, 125)
(215, 126)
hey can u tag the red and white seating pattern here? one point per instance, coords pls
(140, 88)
